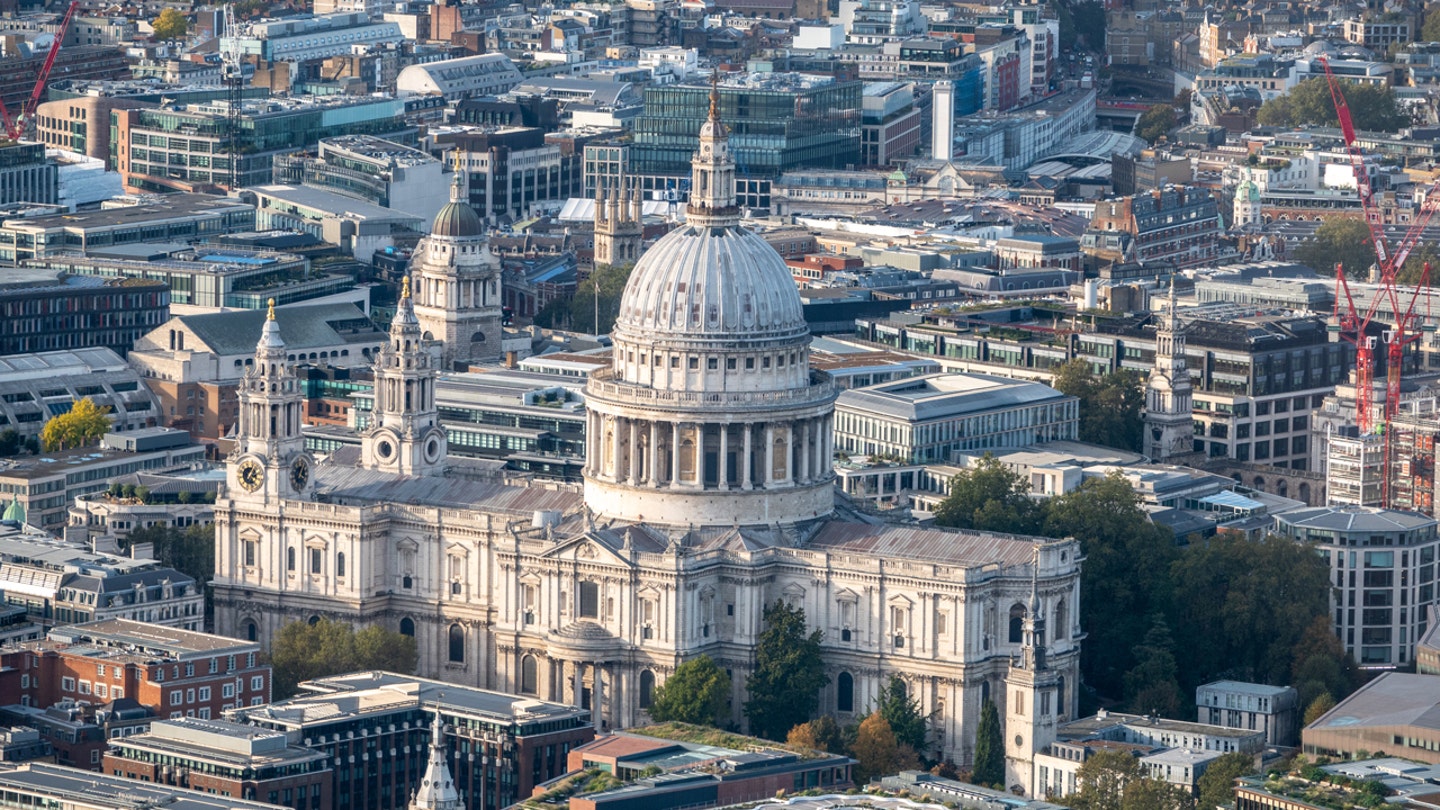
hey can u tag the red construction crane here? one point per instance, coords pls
(15, 127)
(1354, 324)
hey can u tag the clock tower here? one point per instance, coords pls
(1032, 698)
(269, 462)
(405, 436)
(1169, 424)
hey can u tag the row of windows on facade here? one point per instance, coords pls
(713, 363)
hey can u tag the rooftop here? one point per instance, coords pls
(149, 210)
(1356, 519)
(1392, 699)
(939, 396)
(301, 327)
(81, 790)
(219, 741)
(1246, 688)
(171, 643)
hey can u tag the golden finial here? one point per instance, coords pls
(405, 288)
(715, 95)
(271, 315)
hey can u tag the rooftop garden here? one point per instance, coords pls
(706, 735)
(1309, 783)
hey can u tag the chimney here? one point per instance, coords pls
(943, 107)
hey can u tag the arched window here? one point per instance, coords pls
(340, 564)
(845, 692)
(528, 679)
(252, 631)
(407, 627)
(457, 644)
(1061, 631)
(647, 688)
(313, 620)
(290, 559)
(1017, 623)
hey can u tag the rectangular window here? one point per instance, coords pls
(589, 600)
(204, 693)
(257, 683)
(67, 684)
(176, 697)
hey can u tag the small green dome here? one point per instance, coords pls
(14, 512)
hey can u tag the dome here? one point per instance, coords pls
(457, 219)
(700, 282)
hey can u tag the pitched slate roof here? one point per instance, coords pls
(301, 327)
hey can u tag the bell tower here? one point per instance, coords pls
(618, 231)
(405, 436)
(1169, 424)
(1031, 697)
(269, 462)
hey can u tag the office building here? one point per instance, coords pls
(510, 170)
(890, 123)
(1396, 712)
(172, 672)
(1177, 224)
(61, 583)
(44, 310)
(34, 387)
(1382, 562)
(491, 74)
(36, 784)
(924, 419)
(1274, 710)
(26, 176)
(313, 37)
(374, 726)
(44, 486)
(359, 228)
(187, 147)
(381, 172)
(80, 125)
(224, 758)
(75, 62)
(177, 218)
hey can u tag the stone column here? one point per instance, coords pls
(578, 684)
(790, 452)
(745, 482)
(805, 451)
(768, 474)
(632, 470)
(615, 474)
(723, 474)
(675, 456)
(597, 708)
(652, 474)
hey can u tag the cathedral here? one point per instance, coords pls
(708, 494)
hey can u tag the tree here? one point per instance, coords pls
(989, 748)
(789, 673)
(1125, 579)
(902, 712)
(1373, 107)
(9, 442)
(989, 497)
(1217, 784)
(1430, 31)
(1111, 405)
(1321, 666)
(821, 734)
(191, 550)
(82, 424)
(878, 752)
(1155, 794)
(695, 693)
(171, 24)
(1316, 709)
(1152, 685)
(579, 312)
(1102, 780)
(1155, 122)
(1343, 240)
(302, 652)
(1244, 605)
(1423, 253)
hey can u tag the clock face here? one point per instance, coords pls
(299, 473)
(250, 475)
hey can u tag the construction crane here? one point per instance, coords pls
(15, 128)
(232, 72)
(1354, 324)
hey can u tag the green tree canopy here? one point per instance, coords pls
(302, 652)
(788, 676)
(578, 313)
(902, 712)
(1217, 784)
(1414, 266)
(190, 551)
(695, 693)
(989, 496)
(1372, 107)
(1155, 123)
(82, 424)
(1321, 666)
(1243, 606)
(1111, 404)
(989, 748)
(1155, 794)
(1152, 686)
(1102, 780)
(1316, 709)
(171, 24)
(1125, 579)
(1342, 240)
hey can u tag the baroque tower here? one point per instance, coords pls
(269, 462)
(1169, 424)
(710, 414)
(405, 436)
(1033, 698)
(618, 231)
(457, 285)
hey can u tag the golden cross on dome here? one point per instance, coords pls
(271, 315)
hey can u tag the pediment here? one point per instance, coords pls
(846, 595)
(900, 600)
(586, 548)
(251, 534)
(407, 545)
